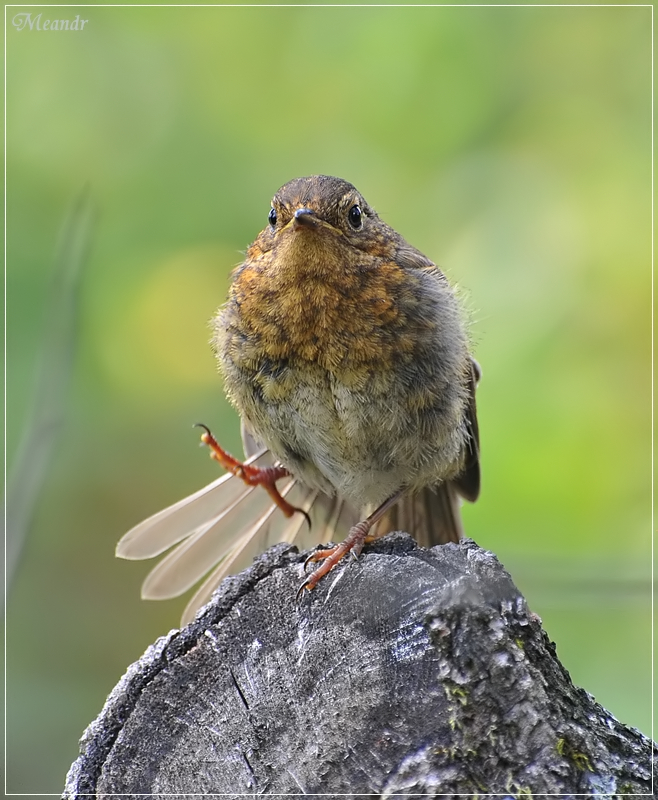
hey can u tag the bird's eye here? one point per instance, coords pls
(354, 217)
(272, 217)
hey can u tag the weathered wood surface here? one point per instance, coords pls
(409, 671)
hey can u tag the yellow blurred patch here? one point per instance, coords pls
(160, 342)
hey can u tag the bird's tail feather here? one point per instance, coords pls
(432, 515)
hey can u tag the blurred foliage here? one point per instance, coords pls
(512, 145)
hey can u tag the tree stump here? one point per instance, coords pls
(407, 671)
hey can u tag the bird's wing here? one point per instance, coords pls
(467, 482)
(179, 521)
(433, 514)
(222, 527)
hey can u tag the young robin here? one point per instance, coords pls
(345, 351)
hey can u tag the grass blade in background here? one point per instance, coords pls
(53, 375)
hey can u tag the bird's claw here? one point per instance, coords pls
(320, 552)
(300, 592)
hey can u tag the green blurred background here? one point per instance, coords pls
(512, 145)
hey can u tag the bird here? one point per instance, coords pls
(346, 352)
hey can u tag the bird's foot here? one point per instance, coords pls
(251, 475)
(330, 556)
(358, 536)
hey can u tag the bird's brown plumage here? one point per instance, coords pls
(345, 351)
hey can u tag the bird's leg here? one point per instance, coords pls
(251, 475)
(353, 543)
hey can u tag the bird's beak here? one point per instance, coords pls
(304, 218)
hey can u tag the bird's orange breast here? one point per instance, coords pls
(349, 319)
